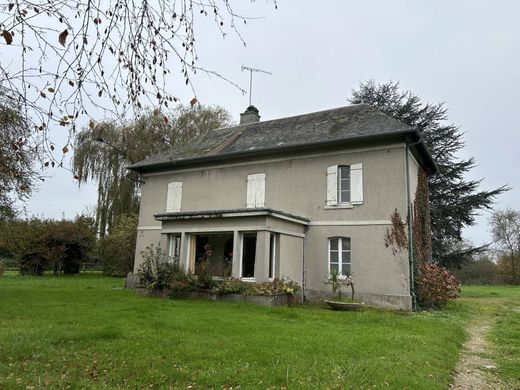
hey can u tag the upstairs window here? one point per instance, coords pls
(174, 197)
(255, 190)
(345, 185)
(339, 255)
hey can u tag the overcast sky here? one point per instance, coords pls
(465, 53)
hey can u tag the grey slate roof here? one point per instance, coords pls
(339, 124)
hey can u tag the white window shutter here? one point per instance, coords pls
(174, 197)
(260, 190)
(332, 185)
(356, 183)
(251, 188)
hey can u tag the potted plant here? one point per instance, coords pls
(336, 280)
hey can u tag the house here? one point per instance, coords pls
(289, 198)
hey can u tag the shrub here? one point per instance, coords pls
(60, 246)
(480, 271)
(158, 270)
(435, 286)
(230, 286)
(277, 286)
(118, 248)
(205, 280)
(179, 287)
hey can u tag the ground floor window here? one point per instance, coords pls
(339, 255)
(174, 246)
(214, 254)
(272, 255)
(248, 255)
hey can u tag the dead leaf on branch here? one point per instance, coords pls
(193, 101)
(8, 37)
(65, 149)
(62, 38)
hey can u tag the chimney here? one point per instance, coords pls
(250, 115)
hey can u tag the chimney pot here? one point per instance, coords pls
(250, 115)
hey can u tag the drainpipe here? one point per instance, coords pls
(410, 230)
(305, 230)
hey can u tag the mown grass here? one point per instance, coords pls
(87, 332)
(500, 291)
(502, 305)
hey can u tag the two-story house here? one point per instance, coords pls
(289, 198)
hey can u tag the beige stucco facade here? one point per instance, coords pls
(295, 185)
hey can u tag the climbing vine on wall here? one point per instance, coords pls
(422, 234)
(395, 238)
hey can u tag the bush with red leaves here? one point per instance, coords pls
(435, 286)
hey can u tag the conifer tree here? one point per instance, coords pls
(454, 200)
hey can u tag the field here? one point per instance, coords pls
(88, 332)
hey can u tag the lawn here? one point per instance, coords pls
(88, 332)
(502, 305)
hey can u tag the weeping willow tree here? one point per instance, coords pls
(104, 150)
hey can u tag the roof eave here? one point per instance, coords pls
(429, 163)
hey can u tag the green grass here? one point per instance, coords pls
(87, 332)
(502, 305)
(491, 291)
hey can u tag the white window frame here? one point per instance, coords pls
(244, 279)
(333, 199)
(340, 182)
(340, 255)
(272, 255)
(174, 246)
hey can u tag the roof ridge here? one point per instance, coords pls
(350, 106)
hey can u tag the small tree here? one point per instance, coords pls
(337, 279)
(505, 227)
(118, 248)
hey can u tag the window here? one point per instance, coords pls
(255, 190)
(174, 246)
(248, 255)
(272, 255)
(344, 185)
(173, 197)
(339, 255)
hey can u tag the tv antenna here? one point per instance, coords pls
(251, 70)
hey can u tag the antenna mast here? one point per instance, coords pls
(251, 70)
